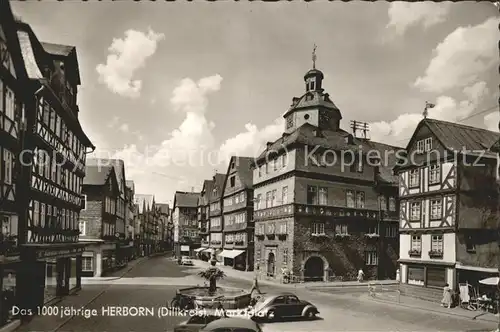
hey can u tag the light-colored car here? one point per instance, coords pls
(232, 325)
(185, 260)
(196, 323)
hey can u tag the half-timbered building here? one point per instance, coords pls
(145, 204)
(98, 220)
(448, 201)
(12, 95)
(55, 168)
(204, 251)
(238, 214)
(185, 220)
(164, 216)
(123, 247)
(319, 193)
(216, 220)
(131, 218)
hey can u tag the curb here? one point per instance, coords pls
(66, 321)
(374, 299)
(58, 327)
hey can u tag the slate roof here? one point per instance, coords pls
(455, 136)
(96, 175)
(57, 49)
(118, 164)
(28, 55)
(310, 135)
(244, 169)
(207, 186)
(186, 199)
(218, 183)
(163, 208)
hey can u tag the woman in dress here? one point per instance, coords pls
(446, 301)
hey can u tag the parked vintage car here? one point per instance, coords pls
(232, 325)
(186, 261)
(283, 305)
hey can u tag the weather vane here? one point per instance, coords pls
(427, 106)
(314, 56)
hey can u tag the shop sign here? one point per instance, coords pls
(63, 252)
(184, 248)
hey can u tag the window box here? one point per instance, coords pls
(342, 236)
(414, 253)
(319, 235)
(372, 235)
(435, 254)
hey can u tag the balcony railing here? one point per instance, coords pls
(272, 212)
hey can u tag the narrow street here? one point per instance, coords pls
(153, 283)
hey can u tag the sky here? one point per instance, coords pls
(174, 89)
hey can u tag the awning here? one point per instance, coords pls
(234, 253)
(476, 268)
(225, 253)
(493, 281)
(199, 249)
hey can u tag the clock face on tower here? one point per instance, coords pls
(289, 122)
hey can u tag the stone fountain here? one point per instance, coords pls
(217, 297)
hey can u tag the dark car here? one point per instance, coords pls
(284, 305)
(232, 325)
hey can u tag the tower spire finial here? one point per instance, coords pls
(314, 56)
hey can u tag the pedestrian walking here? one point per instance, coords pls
(446, 301)
(255, 286)
(361, 275)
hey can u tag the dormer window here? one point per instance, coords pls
(348, 139)
(424, 145)
(289, 122)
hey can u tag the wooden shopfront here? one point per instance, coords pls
(48, 272)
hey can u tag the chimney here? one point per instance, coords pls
(268, 144)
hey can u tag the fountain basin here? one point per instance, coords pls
(232, 298)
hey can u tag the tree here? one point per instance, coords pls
(212, 275)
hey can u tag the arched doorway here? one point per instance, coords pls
(270, 265)
(314, 269)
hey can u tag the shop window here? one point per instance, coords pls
(416, 276)
(436, 277)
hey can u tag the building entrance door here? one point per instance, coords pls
(270, 264)
(314, 269)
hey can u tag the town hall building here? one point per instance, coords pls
(318, 218)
